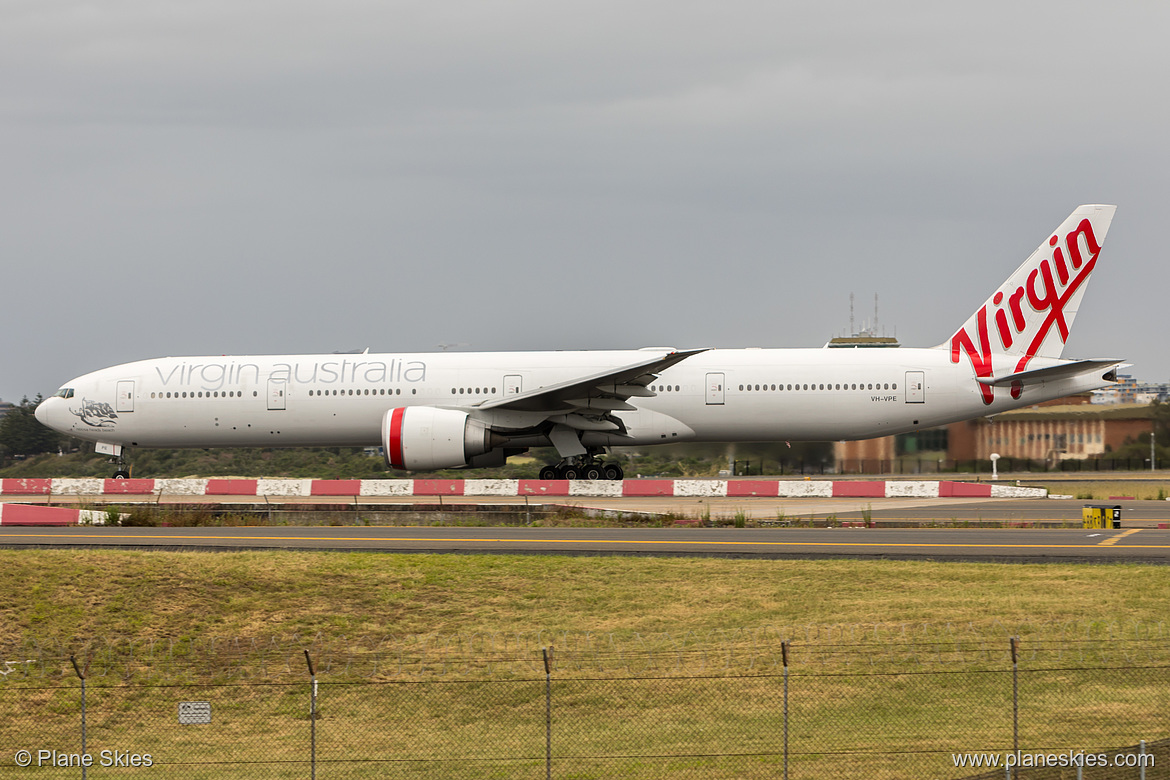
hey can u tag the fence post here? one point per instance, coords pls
(1015, 698)
(312, 718)
(547, 653)
(81, 675)
(784, 657)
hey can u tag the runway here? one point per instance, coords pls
(1147, 545)
(901, 528)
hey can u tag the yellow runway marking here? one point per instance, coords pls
(1113, 540)
(710, 542)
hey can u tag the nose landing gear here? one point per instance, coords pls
(123, 471)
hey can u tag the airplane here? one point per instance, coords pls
(450, 410)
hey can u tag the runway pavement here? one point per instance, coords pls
(1148, 545)
(1062, 539)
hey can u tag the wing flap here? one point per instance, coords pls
(615, 384)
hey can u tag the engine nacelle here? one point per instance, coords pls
(421, 438)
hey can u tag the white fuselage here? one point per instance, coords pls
(714, 396)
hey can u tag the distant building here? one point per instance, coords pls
(867, 337)
(1064, 429)
(854, 342)
(5, 407)
(1130, 391)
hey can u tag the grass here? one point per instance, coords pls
(74, 595)
(1101, 490)
(491, 725)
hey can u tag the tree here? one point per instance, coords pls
(22, 434)
(1139, 448)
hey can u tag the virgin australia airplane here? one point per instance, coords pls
(447, 410)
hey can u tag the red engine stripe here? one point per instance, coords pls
(395, 439)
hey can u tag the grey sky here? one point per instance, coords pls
(253, 177)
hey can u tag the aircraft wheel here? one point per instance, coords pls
(613, 471)
(592, 472)
(569, 472)
(121, 475)
(548, 472)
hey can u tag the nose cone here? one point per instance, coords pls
(48, 412)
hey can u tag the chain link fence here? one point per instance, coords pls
(881, 701)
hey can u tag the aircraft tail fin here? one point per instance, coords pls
(1031, 313)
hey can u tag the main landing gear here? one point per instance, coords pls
(583, 468)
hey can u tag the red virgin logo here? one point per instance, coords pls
(1046, 291)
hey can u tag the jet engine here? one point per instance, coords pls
(421, 438)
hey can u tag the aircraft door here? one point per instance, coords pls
(276, 394)
(915, 387)
(125, 402)
(513, 385)
(715, 389)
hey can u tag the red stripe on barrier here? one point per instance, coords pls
(544, 487)
(738, 488)
(859, 489)
(19, 514)
(135, 487)
(648, 487)
(336, 487)
(963, 490)
(394, 439)
(230, 487)
(438, 487)
(26, 487)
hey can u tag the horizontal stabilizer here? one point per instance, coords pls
(1050, 374)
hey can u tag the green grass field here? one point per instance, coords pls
(86, 594)
(663, 667)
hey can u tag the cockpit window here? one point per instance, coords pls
(64, 392)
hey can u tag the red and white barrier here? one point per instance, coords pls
(699, 488)
(23, 514)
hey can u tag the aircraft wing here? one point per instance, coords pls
(606, 391)
(1062, 371)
